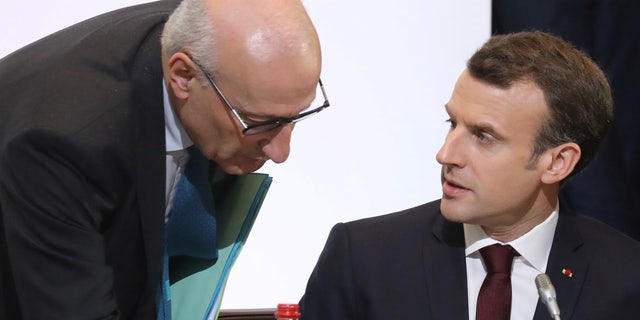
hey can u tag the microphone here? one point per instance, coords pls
(547, 294)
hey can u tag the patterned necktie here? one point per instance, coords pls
(191, 230)
(494, 299)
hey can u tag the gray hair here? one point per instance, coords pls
(190, 30)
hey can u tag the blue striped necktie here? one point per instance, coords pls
(191, 230)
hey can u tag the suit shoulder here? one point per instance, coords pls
(409, 221)
(115, 33)
(604, 240)
(421, 212)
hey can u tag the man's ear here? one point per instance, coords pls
(181, 71)
(563, 160)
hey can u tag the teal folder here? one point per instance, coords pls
(197, 285)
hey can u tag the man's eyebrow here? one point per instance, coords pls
(261, 117)
(268, 117)
(483, 126)
(487, 128)
(252, 115)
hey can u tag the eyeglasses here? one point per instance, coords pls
(264, 126)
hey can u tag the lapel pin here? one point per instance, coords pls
(567, 272)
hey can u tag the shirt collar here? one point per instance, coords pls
(534, 246)
(176, 138)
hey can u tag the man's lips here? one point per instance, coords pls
(259, 161)
(452, 188)
(258, 157)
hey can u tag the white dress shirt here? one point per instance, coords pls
(177, 141)
(534, 248)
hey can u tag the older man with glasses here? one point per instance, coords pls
(98, 123)
(253, 127)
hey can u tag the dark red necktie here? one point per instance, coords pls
(494, 300)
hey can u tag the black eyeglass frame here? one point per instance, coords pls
(264, 126)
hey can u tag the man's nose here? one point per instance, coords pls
(451, 151)
(277, 147)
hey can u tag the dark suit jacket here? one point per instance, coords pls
(82, 170)
(411, 265)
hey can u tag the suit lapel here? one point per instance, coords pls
(565, 255)
(446, 271)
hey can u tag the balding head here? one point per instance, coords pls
(263, 28)
(264, 55)
(265, 39)
(233, 37)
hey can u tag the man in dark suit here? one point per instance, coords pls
(527, 113)
(95, 121)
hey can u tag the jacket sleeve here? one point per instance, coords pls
(54, 212)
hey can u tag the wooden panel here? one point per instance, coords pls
(247, 314)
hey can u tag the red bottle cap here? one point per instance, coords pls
(288, 311)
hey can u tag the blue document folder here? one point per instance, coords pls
(197, 285)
